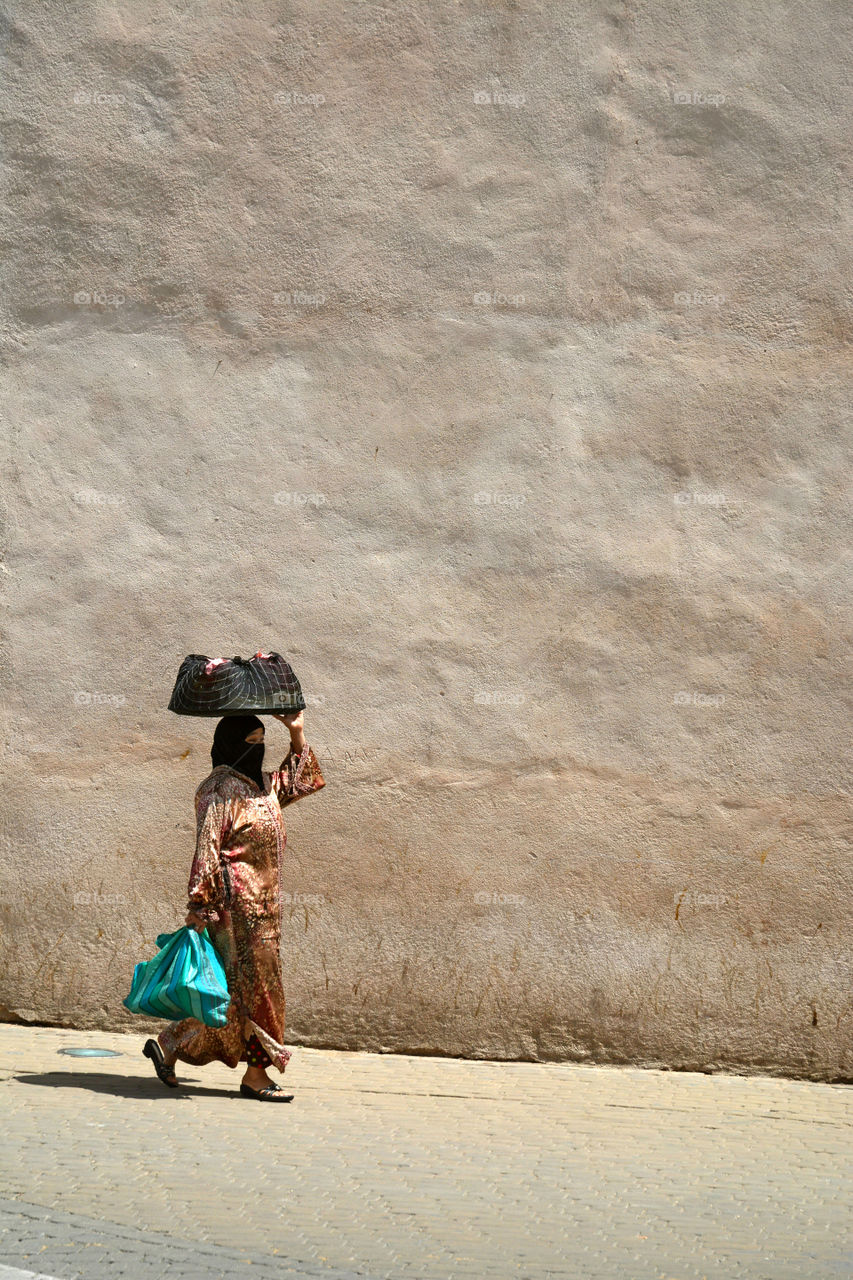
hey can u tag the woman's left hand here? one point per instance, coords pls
(295, 721)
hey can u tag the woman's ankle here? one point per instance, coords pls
(256, 1076)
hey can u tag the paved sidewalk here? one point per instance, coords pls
(411, 1167)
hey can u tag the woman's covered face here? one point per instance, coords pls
(238, 743)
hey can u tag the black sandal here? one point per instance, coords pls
(270, 1093)
(153, 1051)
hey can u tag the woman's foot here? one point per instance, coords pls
(162, 1065)
(256, 1078)
(257, 1084)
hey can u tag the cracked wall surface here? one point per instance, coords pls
(492, 363)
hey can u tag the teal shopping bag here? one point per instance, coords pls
(186, 979)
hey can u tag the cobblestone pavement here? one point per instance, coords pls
(411, 1167)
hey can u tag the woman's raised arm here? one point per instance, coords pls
(299, 773)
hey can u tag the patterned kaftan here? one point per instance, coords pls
(235, 885)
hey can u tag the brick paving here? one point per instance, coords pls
(387, 1167)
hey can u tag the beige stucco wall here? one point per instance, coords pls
(446, 348)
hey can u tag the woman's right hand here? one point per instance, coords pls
(195, 922)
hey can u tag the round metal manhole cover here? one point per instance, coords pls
(91, 1053)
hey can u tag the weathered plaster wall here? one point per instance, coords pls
(488, 360)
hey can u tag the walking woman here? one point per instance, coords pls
(235, 890)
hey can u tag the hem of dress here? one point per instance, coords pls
(175, 1044)
(280, 1056)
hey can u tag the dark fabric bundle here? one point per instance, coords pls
(236, 686)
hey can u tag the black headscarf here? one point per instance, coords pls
(230, 746)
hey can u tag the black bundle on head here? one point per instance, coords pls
(230, 746)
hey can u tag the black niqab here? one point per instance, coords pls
(230, 747)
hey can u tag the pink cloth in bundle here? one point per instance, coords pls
(217, 662)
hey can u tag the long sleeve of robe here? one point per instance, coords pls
(207, 891)
(235, 886)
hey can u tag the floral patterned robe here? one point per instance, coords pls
(235, 885)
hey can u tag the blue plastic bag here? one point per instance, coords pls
(186, 979)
